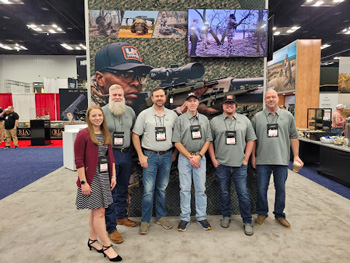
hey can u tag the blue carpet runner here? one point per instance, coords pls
(23, 166)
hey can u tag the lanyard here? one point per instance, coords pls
(160, 120)
(192, 119)
(120, 118)
(230, 123)
(273, 118)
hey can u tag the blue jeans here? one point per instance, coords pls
(239, 177)
(280, 174)
(337, 131)
(155, 177)
(117, 210)
(186, 172)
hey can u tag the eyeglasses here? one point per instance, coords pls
(129, 75)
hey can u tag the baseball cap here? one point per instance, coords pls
(191, 95)
(119, 56)
(340, 106)
(229, 98)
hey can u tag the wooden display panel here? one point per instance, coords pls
(307, 78)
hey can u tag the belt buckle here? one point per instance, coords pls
(122, 150)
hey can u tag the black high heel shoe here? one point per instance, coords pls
(90, 242)
(117, 258)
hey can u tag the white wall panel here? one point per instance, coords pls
(27, 68)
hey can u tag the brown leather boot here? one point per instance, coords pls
(116, 237)
(126, 222)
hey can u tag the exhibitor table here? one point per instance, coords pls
(333, 159)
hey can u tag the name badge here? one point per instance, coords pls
(196, 132)
(272, 130)
(103, 164)
(160, 134)
(230, 137)
(118, 138)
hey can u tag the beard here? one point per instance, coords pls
(117, 107)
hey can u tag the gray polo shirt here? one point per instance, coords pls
(274, 150)
(146, 123)
(182, 131)
(123, 123)
(228, 154)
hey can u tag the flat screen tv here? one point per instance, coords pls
(227, 33)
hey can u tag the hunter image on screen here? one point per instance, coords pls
(227, 33)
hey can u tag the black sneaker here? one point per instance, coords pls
(204, 224)
(183, 226)
(7, 147)
(16, 147)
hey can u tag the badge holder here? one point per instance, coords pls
(196, 132)
(160, 134)
(272, 130)
(230, 137)
(103, 164)
(118, 138)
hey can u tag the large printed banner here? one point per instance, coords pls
(141, 48)
(282, 69)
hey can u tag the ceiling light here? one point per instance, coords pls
(323, 3)
(290, 31)
(10, 2)
(73, 46)
(336, 58)
(67, 46)
(81, 45)
(274, 28)
(46, 29)
(318, 3)
(12, 47)
(325, 46)
(277, 33)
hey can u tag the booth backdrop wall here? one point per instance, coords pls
(161, 52)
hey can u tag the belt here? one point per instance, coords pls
(160, 152)
(122, 150)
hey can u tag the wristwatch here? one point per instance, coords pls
(82, 182)
(200, 155)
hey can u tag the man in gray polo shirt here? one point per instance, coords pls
(156, 125)
(192, 137)
(120, 120)
(276, 133)
(233, 142)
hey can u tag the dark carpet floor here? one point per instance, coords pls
(310, 172)
(23, 166)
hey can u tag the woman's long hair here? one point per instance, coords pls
(103, 127)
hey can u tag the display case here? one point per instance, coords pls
(319, 119)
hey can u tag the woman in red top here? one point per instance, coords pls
(97, 177)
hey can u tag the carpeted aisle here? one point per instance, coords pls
(310, 172)
(22, 166)
(40, 224)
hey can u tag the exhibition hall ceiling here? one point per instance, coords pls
(41, 27)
